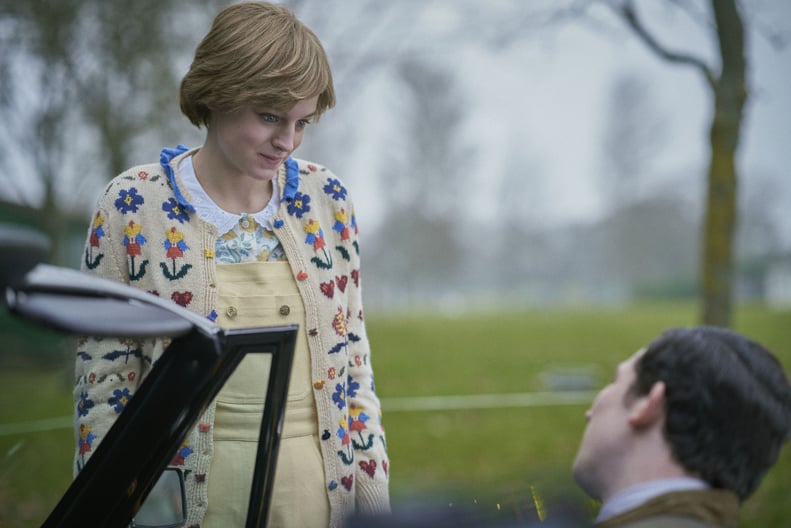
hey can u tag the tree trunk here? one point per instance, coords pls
(730, 95)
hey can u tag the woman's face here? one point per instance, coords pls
(254, 142)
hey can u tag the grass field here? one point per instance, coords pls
(513, 460)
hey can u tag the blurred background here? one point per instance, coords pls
(538, 190)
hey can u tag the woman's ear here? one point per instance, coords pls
(649, 409)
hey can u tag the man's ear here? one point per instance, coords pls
(649, 409)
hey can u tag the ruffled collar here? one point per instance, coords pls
(168, 154)
(209, 211)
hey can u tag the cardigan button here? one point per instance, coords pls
(318, 385)
(285, 310)
(231, 311)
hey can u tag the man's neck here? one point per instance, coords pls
(637, 494)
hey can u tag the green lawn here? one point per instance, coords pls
(514, 460)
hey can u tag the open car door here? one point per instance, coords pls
(130, 460)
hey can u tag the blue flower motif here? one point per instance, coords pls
(84, 405)
(128, 200)
(335, 189)
(119, 400)
(339, 396)
(352, 388)
(299, 205)
(175, 211)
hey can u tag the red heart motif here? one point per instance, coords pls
(182, 298)
(347, 482)
(384, 466)
(368, 467)
(328, 288)
(356, 277)
(341, 282)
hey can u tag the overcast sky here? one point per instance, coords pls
(542, 100)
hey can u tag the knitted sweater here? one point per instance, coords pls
(145, 233)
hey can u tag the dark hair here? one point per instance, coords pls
(727, 403)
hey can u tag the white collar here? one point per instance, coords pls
(209, 211)
(638, 494)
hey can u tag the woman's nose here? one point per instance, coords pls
(284, 139)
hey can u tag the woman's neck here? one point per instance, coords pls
(231, 191)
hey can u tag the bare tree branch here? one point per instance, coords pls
(629, 14)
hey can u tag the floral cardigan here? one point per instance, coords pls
(145, 233)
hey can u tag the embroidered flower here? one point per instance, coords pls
(331, 373)
(97, 231)
(128, 201)
(299, 205)
(335, 189)
(339, 323)
(119, 400)
(181, 455)
(174, 243)
(354, 223)
(133, 239)
(247, 224)
(174, 211)
(132, 375)
(341, 219)
(84, 404)
(352, 388)
(174, 248)
(357, 418)
(339, 396)
(92, 377)
(342, 433)
(315, 235)
(86, 438)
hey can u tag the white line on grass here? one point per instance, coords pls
(49, 424)
(487, 401)
(418, 403)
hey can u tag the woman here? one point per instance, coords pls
(243, 233)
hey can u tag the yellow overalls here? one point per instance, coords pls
(262, 294)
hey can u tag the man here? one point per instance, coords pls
(685, 432)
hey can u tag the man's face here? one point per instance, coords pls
(607, 434)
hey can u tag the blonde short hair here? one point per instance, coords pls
(255, 54)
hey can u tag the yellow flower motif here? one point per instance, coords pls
(132, 230)
(85, 430)
(247, 223)
(355, 411)
(312, 227)
(98, 221)
(342, 217)
(339, 323)
(174, 236)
